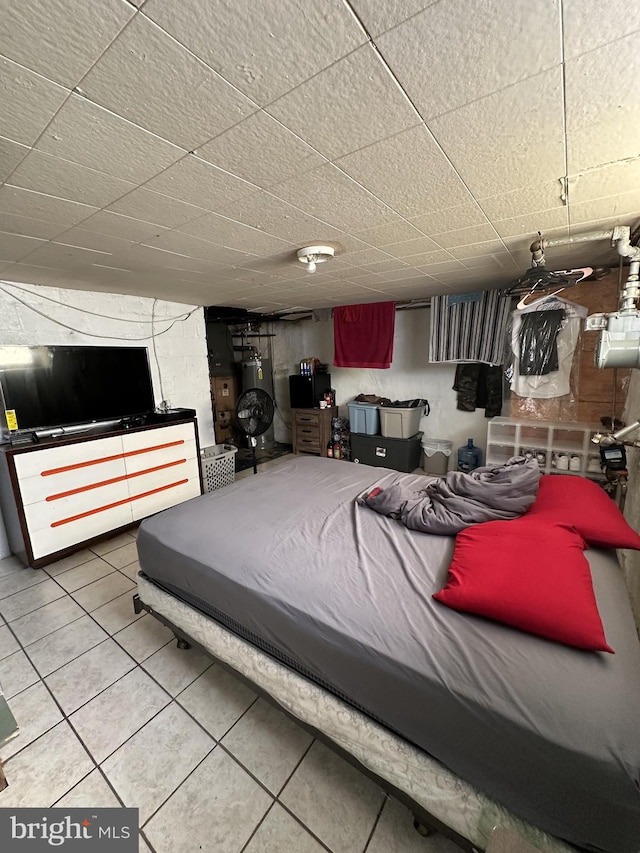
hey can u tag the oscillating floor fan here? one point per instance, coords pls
(254, 413)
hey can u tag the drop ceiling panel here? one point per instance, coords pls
(489, 247)
(434, 70)
(604, 181)
(350, 105)
(408, 248)
(194, 181)
(392, 232)
(185, 244)
(380, 15)
(69, 35)
(265, 49)
(450, 218)
(11, 153)
(51, 175)
(153, 207)
(38, 206)
(28, 102)
(408, 172)
(592, 23)
(336, 199)
(507, 140)
(605, 208)
(65, 257)
(117, 225)
(15, 247)
(90, 240)
(530, 199)
(465, 236)
(603, 109)
(529, 224)
(27, 274)
(150, 79)
(94, 137)
(14, 224)
(235, 235)
(261, 150)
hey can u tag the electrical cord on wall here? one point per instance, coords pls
(164, 405)
(93, 334)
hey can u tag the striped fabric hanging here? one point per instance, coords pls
(469, 327)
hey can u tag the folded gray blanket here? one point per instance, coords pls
(447, 506)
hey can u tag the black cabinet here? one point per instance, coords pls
(306, 392)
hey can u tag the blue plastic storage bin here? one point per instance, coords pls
(364, 418)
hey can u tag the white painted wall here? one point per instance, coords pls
(182, 351)
(409, 376)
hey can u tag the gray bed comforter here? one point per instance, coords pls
(446, 506)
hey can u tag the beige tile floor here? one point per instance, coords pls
(111, 713)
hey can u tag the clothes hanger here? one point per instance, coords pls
(524, 304)
(585, 271)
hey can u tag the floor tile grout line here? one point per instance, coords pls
(257, 826)
(376, 822)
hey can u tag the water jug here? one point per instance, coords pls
(469, 457)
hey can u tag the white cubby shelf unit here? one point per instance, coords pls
(549, 441)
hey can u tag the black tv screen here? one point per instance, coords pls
(55, 386)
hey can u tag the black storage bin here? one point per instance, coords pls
(305, 392)
(400, 454)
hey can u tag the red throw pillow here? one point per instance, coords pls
(583, 504)
(530, 574)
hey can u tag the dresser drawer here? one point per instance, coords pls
(49, 462)
(308, 443)
(307, 419)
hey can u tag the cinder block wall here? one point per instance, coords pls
(182, 351)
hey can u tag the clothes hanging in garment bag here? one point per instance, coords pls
(538, 347)
(556, 383)
(363, 335)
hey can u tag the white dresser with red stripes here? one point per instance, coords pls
(59, 496)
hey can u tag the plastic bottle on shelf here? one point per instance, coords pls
(469, 456)
(330, 449)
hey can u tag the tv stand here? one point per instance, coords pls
(63, 493)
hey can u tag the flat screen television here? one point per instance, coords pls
(61, 386)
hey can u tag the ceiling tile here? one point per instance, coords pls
(65, 257)
(443, 266)
(603, 110)
(604, 181)
(153, 207)
(91, 136)
(350, 105)
(365, 256)
(261, 150)
(436, 257)
(69, 35)
(11, 153)
(409, 248)
(143, 258)
(264, 49)
(185, 244)
(500, 48)
(116, 225)
(605, 208)
(392, 232)
(524, 123)
(408, 172)
(90, 240)
(489, 247)
(465, 236)
(592, 23)
(28, 102)
(530, 199)
(15, 247)
(450, 218)
(27, 274)
(51, 175)
(268, 213)
(14, 224)
(38, 206)
(194, 181)
(385, 267)
(378, 16)
(235, 235)
(529, 224)
(150, 79)
(333, 197)
(499, 262)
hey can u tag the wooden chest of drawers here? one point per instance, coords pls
(312, 430)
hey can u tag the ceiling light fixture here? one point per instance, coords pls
(313, 255)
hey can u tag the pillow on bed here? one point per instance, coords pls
(582, 504)
(530, 574)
